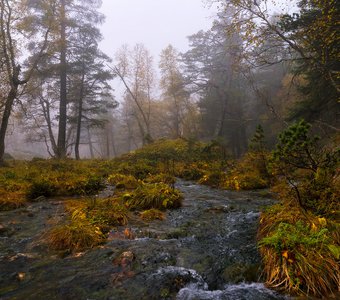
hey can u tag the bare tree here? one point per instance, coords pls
(134, 69)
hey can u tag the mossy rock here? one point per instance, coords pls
(236, 273)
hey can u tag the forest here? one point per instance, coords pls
(244, 125)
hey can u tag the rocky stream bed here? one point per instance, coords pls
(204, 250)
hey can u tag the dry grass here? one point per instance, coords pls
(300, 252)
(11, 200)
(157, 195)
(101, 212)
(122, 181)
(76, 236)
(152, 214)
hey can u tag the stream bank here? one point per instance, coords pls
(204, 250)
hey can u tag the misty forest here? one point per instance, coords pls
(210, 173)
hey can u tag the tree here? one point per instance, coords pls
(173, 87)
(315, 29)
(212, 70)
(134, 68)
(307, 39)
(71, 74)
(15, 18)
(90, 92)
(308, 168)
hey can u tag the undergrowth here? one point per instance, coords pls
(300, 252)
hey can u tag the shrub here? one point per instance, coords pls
(214, 179)
(123, 181)
(89, 185)
(9, 175)
(309, 169)
(139, 169)
(41, 187)
(248, 181)
(189, 172)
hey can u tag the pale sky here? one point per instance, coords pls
(155, 23)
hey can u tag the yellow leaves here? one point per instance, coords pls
(98, 231)
(288, 256)
(321, 222)
(78, 214)
(237, 183)
(314, 228)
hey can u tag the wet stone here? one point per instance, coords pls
(204, 250)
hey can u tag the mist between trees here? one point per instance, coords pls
(252, 67)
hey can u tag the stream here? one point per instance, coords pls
(204, 250)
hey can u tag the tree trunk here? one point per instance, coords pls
(63, 86)
(80, 114)
(90, 142)
(5, 118)
(108, 154)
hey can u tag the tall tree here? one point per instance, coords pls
(135, 70)
(173, 88)
(18, 26)
(315, 30)
(74, 68)
(61, 141)
(90, 92)
(307, 38)
(212, 70)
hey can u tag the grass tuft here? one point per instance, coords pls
(157, 195)
(76, 236)
(152, 214)
(300, 252)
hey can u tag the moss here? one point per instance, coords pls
(236, 273)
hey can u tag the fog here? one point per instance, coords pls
(155, 23)
(187, 70)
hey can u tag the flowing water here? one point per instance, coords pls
(204, 250)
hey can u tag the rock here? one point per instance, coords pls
(169, 280)
(220, 209)
(127, 233)
(6, 231)
(125, 259)
(124, 264)
(3, 229)
(39, 199)
(238, 272)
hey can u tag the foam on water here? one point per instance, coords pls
(242, 291)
